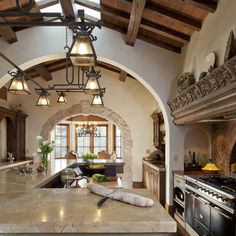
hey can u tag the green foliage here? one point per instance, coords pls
(100, 178)
(89, 155)
(46, 147)
(96, 166)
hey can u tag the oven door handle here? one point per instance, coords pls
(223, 214)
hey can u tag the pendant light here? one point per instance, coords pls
(18, 84)
(82, 52)
(97, 100)
(61, 98)
(92, 85)
(43, 100)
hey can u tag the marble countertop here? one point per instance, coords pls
(159, 167)
(6, 165)
(74, 210)
(11, 180)
(26, 209)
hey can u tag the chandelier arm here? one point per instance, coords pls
(83, 77)
(67, 68)
(78, 75)
(18, 69)
(73, 75)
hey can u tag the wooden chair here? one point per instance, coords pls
(103, 155)
(71, 155)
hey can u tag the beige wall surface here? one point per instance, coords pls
(154, 67)
(211, 38)
(130, 99)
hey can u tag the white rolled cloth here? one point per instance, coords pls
(126, 197)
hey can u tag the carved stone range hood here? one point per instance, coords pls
(213, 98)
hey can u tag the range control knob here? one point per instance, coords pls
(224, 199)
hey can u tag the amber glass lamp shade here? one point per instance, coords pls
(97, 100)
(82, 52)
(61, 98)
(18, 85)
(43, 101)
(92, 86)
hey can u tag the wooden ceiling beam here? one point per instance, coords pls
(160, 43)
(7, 33)
(42, 70)
(67, 8)
(134, 21)
(45, 3)
(123, 76)
(124, 22)
(168, 46)
(182, 8)
(186, 20)
(154, 16)
(208, 5)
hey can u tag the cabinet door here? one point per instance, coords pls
(202, 212)
(222, 223)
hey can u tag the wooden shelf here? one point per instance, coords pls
(211, 98)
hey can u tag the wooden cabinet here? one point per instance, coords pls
(154, 180)
(158, 130)
(20, 136)
(15, 132)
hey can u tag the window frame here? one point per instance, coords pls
(92, 138)
(114, 141)
(67, 140)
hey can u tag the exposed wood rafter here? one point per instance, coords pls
(209, 5)
(134, 21)
(120, 23)
(123, 76)
(7, 33)
(45, 3)
(67, 8)
(183, 19)
(43, 72)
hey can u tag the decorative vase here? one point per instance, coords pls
(45, 160)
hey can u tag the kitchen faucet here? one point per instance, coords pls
(70, 180)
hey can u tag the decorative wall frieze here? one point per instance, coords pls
(211, 83)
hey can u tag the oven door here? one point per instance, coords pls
(189, 208)
(222, 222)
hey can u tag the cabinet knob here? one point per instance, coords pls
(201, 216)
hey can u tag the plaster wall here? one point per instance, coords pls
(211, 38)
(154, 67)
(122, 97)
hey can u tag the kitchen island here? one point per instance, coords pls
(28, 209)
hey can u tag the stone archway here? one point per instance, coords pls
(84, 107)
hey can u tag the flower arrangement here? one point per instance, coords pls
(45, 147)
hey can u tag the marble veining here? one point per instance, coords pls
(74, 210)
(26, 209)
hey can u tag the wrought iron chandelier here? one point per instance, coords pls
(88, 128)
(81, 54)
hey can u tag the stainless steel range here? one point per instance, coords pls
(211, 204)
